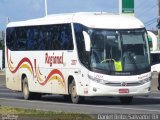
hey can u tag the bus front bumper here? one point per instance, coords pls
(97, 89)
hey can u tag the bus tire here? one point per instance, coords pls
(26, 93)
(126, 100)
(75, 99)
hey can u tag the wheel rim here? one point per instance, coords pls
(74, 93)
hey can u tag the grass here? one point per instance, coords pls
(26, 114)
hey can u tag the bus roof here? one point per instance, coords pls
(89, 19)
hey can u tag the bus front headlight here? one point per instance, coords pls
(98, 80)
(145, 80)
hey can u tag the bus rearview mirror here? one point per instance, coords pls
(87, 41)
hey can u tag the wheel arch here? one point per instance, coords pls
(72, 77)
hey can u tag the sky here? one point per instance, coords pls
(17, 10)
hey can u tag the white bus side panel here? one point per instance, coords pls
(12, 73)
(12, 81)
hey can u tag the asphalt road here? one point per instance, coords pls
(140, 105)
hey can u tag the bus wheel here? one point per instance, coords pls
(126, 100)
(26, 93)
(73, 93)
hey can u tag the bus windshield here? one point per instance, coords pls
(120, 51)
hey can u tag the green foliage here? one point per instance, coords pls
(27, 114)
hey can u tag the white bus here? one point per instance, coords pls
(78, 55)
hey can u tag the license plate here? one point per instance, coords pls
(123, 90)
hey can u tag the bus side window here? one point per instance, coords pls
(82, 53)
(65, 41)
(44, 37)
(10, 38)
(30, 41)
(21, 39)
(41, 41)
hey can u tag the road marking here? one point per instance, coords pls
(81, 105)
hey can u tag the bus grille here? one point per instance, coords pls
(124, 84)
